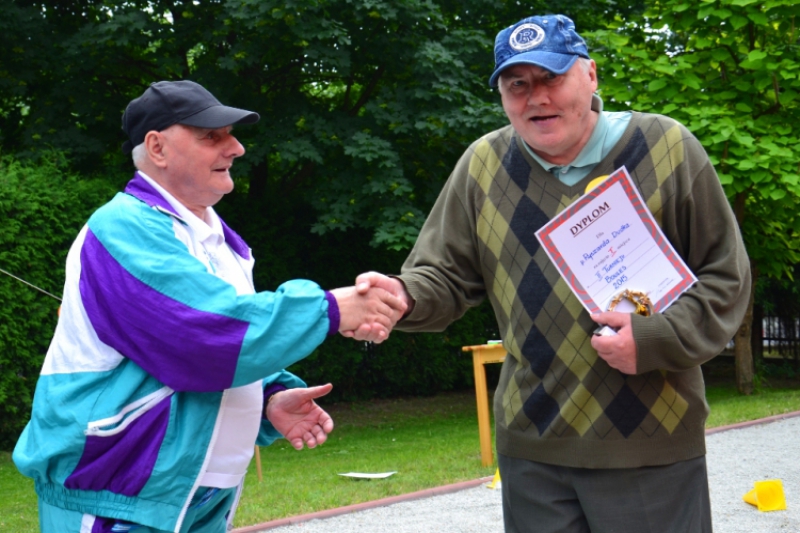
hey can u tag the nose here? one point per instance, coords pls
(538, 94)
(233, 148)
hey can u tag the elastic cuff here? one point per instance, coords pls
(269, 392)
(333, 313)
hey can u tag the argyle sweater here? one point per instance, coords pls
(557, 402)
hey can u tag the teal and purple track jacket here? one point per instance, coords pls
(126, 407)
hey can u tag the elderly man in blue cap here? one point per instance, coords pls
(595, 434)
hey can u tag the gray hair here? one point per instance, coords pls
(138, 154)
(585, 62)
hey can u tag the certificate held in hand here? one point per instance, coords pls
(612, 254)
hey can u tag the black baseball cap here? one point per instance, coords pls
(165, 103)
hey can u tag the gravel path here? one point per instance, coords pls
(736, 459)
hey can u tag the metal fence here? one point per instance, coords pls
(779, 337)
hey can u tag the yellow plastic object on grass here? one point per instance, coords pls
(767, 495)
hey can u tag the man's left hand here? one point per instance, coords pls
(619, 350)
(296, 415)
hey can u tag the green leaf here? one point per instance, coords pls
(738, 22)
(759, 18)
(656, 85)
(778, 194)
(705, 11)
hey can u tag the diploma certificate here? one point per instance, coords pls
(607, 241)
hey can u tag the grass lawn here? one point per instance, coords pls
(429, 442)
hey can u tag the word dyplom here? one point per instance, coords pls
(587, 221)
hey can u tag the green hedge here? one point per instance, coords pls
(42, 207)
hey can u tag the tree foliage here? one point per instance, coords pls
(366, 104)
(729, 70)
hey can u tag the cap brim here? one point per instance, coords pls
(219, 116)
(551, 61)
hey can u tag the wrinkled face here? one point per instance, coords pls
(197, 164)
(552, 113)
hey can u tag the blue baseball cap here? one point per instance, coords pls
(549, 42)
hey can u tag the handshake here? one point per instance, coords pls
(369, 310)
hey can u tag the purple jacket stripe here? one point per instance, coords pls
(233, 240)
(122, 463)
(141, 189)
(162, 335)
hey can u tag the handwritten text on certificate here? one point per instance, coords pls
(607, 241)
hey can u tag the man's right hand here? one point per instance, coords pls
(373, 311)
(369, 281)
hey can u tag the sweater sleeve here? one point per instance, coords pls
(149, 299)
(442, 273)
(702, 228)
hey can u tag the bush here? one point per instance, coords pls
(43, 207)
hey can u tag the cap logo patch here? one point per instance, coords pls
(526, 36)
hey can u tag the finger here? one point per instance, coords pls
(381, 315)
(365, 281)
(597, 343)
(363, 333)
(602, 344)
(397, 304)
(317, 391)
(319, 435)
(326, 422)
(614, 319)
(375, 333)
(379, 331)
(381, 334)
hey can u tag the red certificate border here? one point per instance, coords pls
(622, 177)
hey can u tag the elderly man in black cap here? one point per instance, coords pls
(166, 366)
(594, 433)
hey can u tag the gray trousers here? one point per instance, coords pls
(541, 498)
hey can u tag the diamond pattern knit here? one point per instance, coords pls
(557, 401)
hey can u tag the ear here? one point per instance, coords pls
(593, 74)
(155, 144)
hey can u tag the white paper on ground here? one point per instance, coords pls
(362, 475)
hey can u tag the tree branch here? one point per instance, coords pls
(368, 90)
(777, 89)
